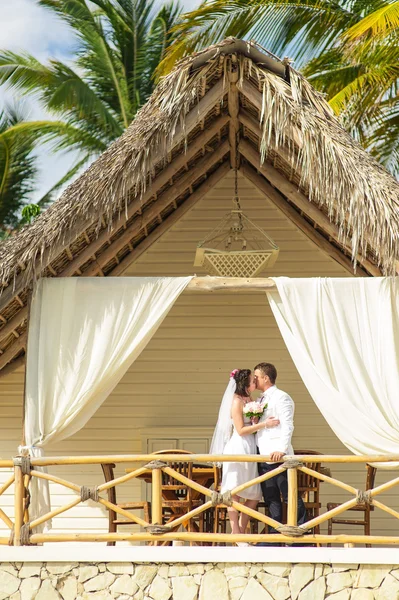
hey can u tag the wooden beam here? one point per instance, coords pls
(163, 201)
(13, 323)
(13, 350)
(290, 191)
(230, 284)
(196, 114)
(199, 193)
(289, 211)
(234, 107)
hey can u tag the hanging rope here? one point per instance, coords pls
(24, 463)
(87, 493)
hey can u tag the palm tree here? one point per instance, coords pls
(18, 170)
(360, 76)
(348, 48)
(304, 27)
(119, 45)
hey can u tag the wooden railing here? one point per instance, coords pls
(22, 531)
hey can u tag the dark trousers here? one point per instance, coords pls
(273, 490)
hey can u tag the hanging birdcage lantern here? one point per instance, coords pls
(237, 247)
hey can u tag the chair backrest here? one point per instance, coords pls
(308, 484)
(181, 491)
(108, 471)
(370, 477)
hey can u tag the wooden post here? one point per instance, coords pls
(292, 510)
(19, 493)
(156, 505)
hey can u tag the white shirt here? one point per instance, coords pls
(277, 439)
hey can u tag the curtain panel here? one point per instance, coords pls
(84, 334)
(343, 336)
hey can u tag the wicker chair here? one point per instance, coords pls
(364, 520)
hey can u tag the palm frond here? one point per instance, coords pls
(18, 170)
(377, 24)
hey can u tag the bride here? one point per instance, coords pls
(240, 441)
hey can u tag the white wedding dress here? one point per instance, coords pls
(235, 474)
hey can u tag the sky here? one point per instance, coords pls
(28, 27)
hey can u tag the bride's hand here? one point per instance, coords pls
(254, 420)
(271, 422)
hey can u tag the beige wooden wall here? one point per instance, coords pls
(179, 379)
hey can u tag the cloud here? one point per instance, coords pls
(31, 28)
(27, 26)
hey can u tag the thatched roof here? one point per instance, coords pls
(233, 104)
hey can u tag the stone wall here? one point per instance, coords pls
(221, 581)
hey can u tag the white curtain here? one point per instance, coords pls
(343, 336)
(84, 333)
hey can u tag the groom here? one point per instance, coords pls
(275, 442)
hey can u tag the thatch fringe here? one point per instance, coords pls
(337, 174)
(358, 194)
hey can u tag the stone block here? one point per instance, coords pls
(143, 575)
(214, 585)
(389, 589)
(159, 589)
(254, 591)
(163, 571)
(314, 591)
(120, 568)
(236, 571)
(370, 576)
(178, 571)
(60, 568)
(338, 581)
(29, 588)
(47, 592)
(362, 594)
(237, 586)
(87, 572)
(276, 586)
(30, 570)
(101, 582)
(342, 595)
(9, 568)
(184, 588)
(318, 571)
(279, 570)
(124, 585)
(196, 569)
(9, 584)
(299, 576)
(68, 588)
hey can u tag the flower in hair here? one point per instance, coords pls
(234, 371)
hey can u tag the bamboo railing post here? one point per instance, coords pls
(292, 509)
(19, 494)
(156, 500)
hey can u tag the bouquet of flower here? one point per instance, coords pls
(254, 410)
